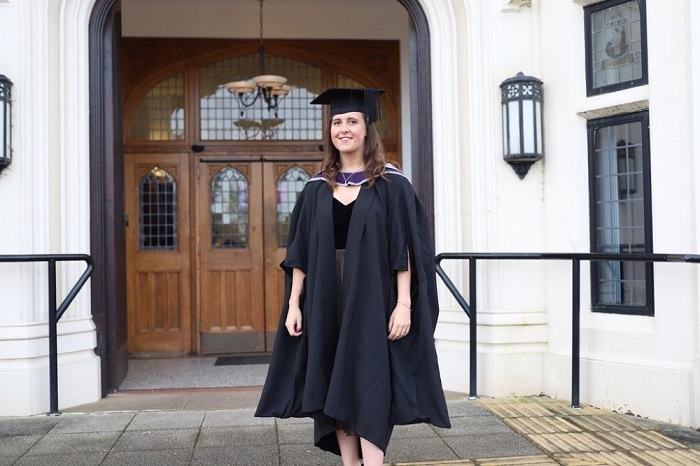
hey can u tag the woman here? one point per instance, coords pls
(354, 349)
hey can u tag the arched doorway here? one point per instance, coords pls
(209, 182)
(106, 165)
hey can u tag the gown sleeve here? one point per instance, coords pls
(411, 240)
(298, 237)
(282, 394)
(417, 394)
(399, 230)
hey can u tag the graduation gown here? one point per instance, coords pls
(343, 367)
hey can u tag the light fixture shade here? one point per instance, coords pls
(521, 104)
(269, 81)
(5, 121)
(240, 87)
(282, 91)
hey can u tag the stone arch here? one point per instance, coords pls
(107, 177)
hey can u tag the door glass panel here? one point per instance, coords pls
(157, 211)
(223, 117)
(229, 209)
(382, 123)
(289, 186)
(160, 114)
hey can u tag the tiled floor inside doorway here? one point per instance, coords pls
(181, 372)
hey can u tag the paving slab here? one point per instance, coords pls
(73, 424)
(167, 420)
(162, 439)
(76, 459)
(150, 428)
(70, 444)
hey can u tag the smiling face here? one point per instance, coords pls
(348, 132)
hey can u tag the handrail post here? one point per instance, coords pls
(575, 331)
(53, 340)
(472, 329)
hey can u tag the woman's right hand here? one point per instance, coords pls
(293, 322)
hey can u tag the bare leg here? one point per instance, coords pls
(372, 454)
(349, 448)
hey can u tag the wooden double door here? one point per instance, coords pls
(205, 237)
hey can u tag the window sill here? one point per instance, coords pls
(615, 103)
(585, 3)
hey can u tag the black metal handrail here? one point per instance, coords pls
(575, 258)
(55, 313)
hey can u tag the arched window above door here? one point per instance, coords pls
(160, 114)
(223, 118)
(194, 108)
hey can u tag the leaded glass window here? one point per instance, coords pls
(382, 123)
(158, 211)
(616, 52)
(289, 186)
(160, 114)
(224, 118)
(621, 213)
(229, 209)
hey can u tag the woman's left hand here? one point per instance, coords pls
(399, 322)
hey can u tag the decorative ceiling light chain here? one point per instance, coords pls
(268, 86)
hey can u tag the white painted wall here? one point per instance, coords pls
(47, 205)
(650, 366)
(647, 365)
(641, 364)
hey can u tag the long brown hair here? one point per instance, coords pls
(373, 156)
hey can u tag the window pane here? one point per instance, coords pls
(224, 116)
(619, 212)
(160, 115)
(289, 186)
(157, 211)
(229, 209)
(615, 42)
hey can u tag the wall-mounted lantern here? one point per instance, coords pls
(521, 99)
(5, 121)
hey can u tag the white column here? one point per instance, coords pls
(694, 47)
(474, 194)
(52, 162)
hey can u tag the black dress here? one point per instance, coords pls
(343, 369)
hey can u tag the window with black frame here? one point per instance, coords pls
(620, 213)
(616, 51)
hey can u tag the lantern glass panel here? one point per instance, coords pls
(528, 127)
(504, 115)
(513, 127)
(538, 122)
(3, 129)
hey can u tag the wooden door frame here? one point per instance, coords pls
(108, 281)
(107, 241)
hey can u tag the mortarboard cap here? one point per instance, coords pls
(344, 100)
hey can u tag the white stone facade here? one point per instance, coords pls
(647, 365)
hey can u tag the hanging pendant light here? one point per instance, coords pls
(271, 88)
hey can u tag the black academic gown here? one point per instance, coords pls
(343, 367)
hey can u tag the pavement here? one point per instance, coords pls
(215, 426)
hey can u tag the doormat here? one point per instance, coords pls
(241, 360)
